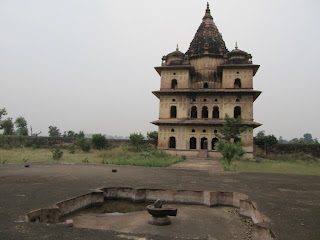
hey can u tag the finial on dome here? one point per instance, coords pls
(177, 49)
(236, 46)
(208, 8)
(208, 14)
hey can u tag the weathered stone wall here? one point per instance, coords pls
(312, 149)
(47, 142)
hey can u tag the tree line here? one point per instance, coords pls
(261, 139)
(20, 127)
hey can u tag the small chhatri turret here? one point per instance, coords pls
(237, 56)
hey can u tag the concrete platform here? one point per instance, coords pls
(291, 202)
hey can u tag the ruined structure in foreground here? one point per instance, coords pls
(198, 88)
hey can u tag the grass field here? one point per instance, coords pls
(119, 156)
(303, 164)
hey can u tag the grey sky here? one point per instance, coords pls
(89, 65)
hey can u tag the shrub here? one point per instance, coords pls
(84, 144)
(153, 136)
(71, 149)
(98, 141)
(230, 151)
(86, 160)
(57, 152)
(136, 139)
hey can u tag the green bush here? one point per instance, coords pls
(84, 144)
(98, 141)
(57, 153)
(136, 141)
(230, 151)
(71, 149)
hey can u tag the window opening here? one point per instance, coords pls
(193, 130)
(194, 113)
(204, 112)
(215, 113)
(172, 130)
(174, 84)
(205, 85)
(173, 112)
(237, 83)
(204, 130)
(193, 143)
(214, 142)
(237, 112)
(172, 142)
(204, 143)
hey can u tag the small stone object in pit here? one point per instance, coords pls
(114, 170)
(69, 223)
(27, 165)
(157, 204)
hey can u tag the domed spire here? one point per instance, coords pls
(208, 14)
(208, 39)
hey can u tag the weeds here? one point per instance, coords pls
(57, 153)
(86, 160)
(5, 161)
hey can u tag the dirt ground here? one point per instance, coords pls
(291, 202)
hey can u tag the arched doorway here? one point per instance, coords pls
(237, 83)
(214, 142)
(204, 143)
(173, 112)
(193, 143)
(174, 84)
(215, 113)
(194, 113)
(172, 142)
(237, 112)
(204, 112)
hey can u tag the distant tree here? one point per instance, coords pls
(153, 136)
(294, 140)
(7, 126)
(54, 131)
(231, 129)
(98, 141)
(21, 125)
(282, 140)
(71, 134)
(3, 112)
(307, 138)
(262, 139)
(81, 134)
(136, 139)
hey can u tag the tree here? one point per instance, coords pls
(98, 141)
(262, 139)
(3, 112)
(21, 125)
(7, 126)
(153, 136)
(230, 151)
(136, 139)
(307, 138)
(54, 131)
(282, 140)
(231, 129)
(84, 144)
(81, 134)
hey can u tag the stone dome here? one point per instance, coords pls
(237, 56)
(174, 58)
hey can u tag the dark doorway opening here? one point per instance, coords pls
(214, 142)
(174, 84)
(194, 113)
(237, 83)
(173, 112)
(193, 143)
(237, 112)
(204, 112)
(204, 143)
(172, 143)
(215, 113)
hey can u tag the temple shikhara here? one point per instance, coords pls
(198, 88)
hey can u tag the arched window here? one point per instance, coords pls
(194, 113)
(237, 112)
(204, 112)
(173, 112)
(193, 130)
(204, 130)
(174, 84)
(236, 139)
(172, 142)
(204, 143)
(237, 83)
(193, 143)
(172, 130)
(215, 113)
(214, 142)
(205, 85)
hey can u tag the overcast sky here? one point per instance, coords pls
(89, 64)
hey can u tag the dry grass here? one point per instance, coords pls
(119, 156)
